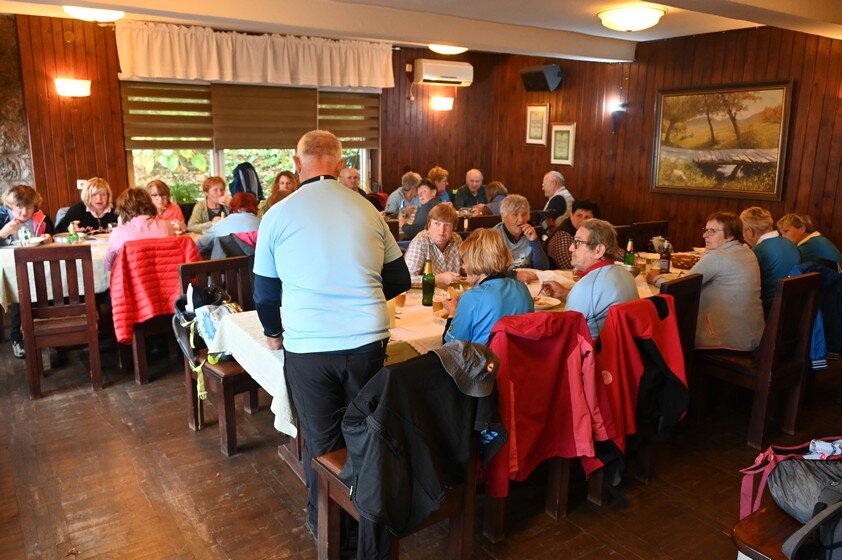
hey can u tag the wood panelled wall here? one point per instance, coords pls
(71, 137)
(613, 159)
(414, 135)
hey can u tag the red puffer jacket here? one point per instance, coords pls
(144, 280)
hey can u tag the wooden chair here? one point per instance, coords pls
(57, 321)
(226, 379)
(458, 507)
(623, 234)
(643, 232)
(476, 222)
(780, 363)
(393, 227)
(761, 534)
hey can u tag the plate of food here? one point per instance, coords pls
(545, 302)
(31, 242)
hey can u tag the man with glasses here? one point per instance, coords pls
(601, 284)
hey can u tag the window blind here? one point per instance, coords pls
(166, 116)
(353, 117)
(261, 117)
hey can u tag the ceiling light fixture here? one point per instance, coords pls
(93, 14)
(439, 103)
(630, 18)
(67, 87)
(447, 49)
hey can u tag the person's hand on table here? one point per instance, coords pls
(527, 276)
(275, 343)
(444, 279)
(47, 238)
(401, 220)
(652, 275)
(480, 210)
(450, 303)
(555, 289)
(409, 210)
(529, 232)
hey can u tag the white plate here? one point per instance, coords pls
(33, 241)
(546, 303)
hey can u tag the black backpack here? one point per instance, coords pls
(245, 180)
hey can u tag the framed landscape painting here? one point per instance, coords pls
(564, 140)
(537, 117)
(722, 141)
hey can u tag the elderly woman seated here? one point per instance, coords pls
(601, 284)
(440, 244)
(285, 183)
(137, 215)
(209, 211)
(799, 229)
(496, 193)
(730, 310)
(485, 256)
(776, 255)
(167, 211)
(243, 217)
(94, 212)
(520, 237)
(428, 197)
(560, 237)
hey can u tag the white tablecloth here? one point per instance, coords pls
(9, 280)
(241, 334)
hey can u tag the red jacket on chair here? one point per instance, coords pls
(642, 365)
(549, 395)
(144, 280)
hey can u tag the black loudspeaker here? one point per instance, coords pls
(546, 77)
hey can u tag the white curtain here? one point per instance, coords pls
(153, 51)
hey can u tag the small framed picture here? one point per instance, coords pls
(537, 117)
(564, 140)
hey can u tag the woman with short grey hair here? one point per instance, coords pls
(519, 235)
(404, 199)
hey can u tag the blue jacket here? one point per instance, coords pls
(827, 332)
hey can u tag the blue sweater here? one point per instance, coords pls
(525, 253)
(481, 307)
(776, 257)
(819, 248)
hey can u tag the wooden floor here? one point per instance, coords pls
(117, 474)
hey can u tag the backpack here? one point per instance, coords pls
(245, 179)
(806, 482)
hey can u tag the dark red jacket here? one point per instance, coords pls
(144, 280)
(549, 395)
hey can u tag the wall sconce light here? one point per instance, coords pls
(67, 87)
(631, 18)
(93, 14)
(440, 103)
(618, 109)
(446, 49)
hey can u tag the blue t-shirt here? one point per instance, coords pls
(328, 246)
(776, 257)
(481, 307)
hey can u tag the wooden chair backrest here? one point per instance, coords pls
(789, 325)
(63, 265)
(477, 222)
(232, 274)
(394, 228)
(643, 232)
(685, 292)
(623, 234)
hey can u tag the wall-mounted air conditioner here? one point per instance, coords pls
(443, 72)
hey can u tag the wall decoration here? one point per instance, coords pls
(722, 141)
(537, 117)
(564, 141)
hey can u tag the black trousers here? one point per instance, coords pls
(322, 387)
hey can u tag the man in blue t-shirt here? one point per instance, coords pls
(325, 254)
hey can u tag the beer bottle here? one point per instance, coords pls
(628, 258)
(428, 284)
(666, 257)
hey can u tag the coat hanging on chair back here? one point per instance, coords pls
(245, 179)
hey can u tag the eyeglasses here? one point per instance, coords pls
(710, 231)
(579, 242)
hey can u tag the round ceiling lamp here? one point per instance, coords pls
(447, 49)
(630, 18)
(93, 14)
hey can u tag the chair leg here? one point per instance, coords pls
(759, 416)
(94, 357)
(227, 420)
(327, 543)
(644, 463)
(792, 407)
(494, 519)
(558, 485)
(194, 407)
(34, 370)
(461, 538)
(596, 492)
(141, 374)
(251, 403)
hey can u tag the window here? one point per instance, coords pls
(267, 163)
(182, 170)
